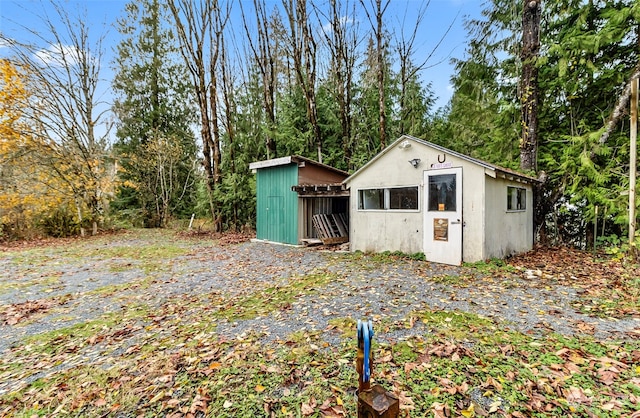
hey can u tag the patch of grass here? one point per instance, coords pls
(148, 258)
(491, 266)
(33, 257)
(189, 371)
(113, 289)
(156, 251)
(69, 338)
(390, 256)
(44, 281)
(264, 302)
(455, 324)
(450, 279)
(344, 325)
(74, 337)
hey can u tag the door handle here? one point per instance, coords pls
(456, 222)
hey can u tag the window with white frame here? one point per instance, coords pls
(390, 198)
(516, 199)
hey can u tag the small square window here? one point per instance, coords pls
(403, 198)
(516, 198)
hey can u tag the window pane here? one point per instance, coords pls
(516, 198)
(521, 201)
(442, 193)
(371, 199)
(403, 198)
(510, 198)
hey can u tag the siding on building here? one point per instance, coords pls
(284, 216)
(277, 204)
(501, 223)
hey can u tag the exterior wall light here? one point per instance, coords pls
(415, 162)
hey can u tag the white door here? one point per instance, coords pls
(443, 216)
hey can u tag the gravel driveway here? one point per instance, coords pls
(364, 288)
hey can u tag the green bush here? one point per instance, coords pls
(59, 223)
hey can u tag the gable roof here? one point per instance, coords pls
(487, 166)
(293, 159)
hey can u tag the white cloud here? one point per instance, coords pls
(5, 43)
(344, 21)
(58, 55)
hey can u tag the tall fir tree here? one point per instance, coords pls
(593, 49)
(367, 141)
(156, 146)
(483, 118)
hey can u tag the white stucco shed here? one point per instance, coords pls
(419, 197)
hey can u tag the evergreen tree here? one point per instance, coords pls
(415, 104)
(593, 49)
(484, 120)
(483, 113)
(589, 50)
(156, 146)
(367, 141)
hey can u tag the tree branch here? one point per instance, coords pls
(620, 110)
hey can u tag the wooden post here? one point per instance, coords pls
(632, 167)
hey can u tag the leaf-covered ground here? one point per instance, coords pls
(153, 323)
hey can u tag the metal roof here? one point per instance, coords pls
(292, 159)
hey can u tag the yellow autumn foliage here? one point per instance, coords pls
(28, 190)
(13, 95)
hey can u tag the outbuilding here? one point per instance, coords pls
(420, 197)
(292, 191)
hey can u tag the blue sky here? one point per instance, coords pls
(102, 14)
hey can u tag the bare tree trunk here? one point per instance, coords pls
(529, 92)
(228, 120)
(633, 138)
(619, 111)
(381, 70)
(378, 30)
(342, 45)
(215, 35)
(303, 47)
(198, 25)
(264, 57)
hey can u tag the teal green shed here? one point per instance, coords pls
(289, 191)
